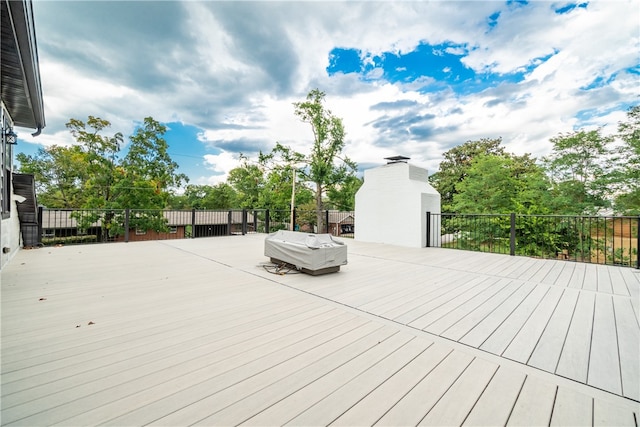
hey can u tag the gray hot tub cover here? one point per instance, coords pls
(310, 251)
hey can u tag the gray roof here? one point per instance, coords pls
(20, 72)
(62, 218)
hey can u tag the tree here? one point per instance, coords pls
(455, 166)
(326, 167)
(90, 175)
(577, 170)
(219, 196)
(505, 183)
(100, 153)
(626, 165)
(59, 175)
(343, 196)
(248, 181)
(147, 173)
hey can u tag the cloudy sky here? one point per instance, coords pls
(408, 78)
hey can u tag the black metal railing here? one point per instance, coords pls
(609, 240)
(81, 226)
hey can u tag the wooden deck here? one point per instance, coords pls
(190, 332)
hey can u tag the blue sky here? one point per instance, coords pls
(408, 78)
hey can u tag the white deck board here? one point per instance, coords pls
(604, 361)
(455, 405)
(522, 345)
(489, 411)
(414, 405)
(373, 406)
(547, 352)
(574, 359)
(628, 348)
(487, 326)
(572, 408)
(534, 404)
(197, 331)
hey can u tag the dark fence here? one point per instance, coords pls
(80, 226)
(609, 240)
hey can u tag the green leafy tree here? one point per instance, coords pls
(248, 180)
(219, 196)
(60, 173)
(489, 186)
(147, 172)
(326, 166)
(100, 153)
(577, 170)
(90, 174)
(626, 165)
(343, 196)
(454, 168)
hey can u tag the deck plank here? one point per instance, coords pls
(547, 352)
(505, 333)
(454, 315)
(425, 321)
(572, 408)
(629, 347)
(604, 361)
(327, 410)
(604, 279)
(534, 404)
(617, 282)
(487, 326)
(170, 373)
(523, 344)
(457, 330)
(489, 411)
(338, 353)
(373, 406)
(607, 414)
(413, 406)
(574, 359)
(459, 400)
(590, 278)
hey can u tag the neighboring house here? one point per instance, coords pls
(341, 223)
(63, 223)
(22, 106)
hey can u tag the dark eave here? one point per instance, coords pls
(20, 78)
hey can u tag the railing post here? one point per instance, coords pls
(638, 244)
(326, 221)
(428, 229)
(126, 225)
(255, 221)
(40, 218)
(512, 236)
(266, 221)
(244, 222)
(193, 223)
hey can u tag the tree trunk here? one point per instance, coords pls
(319, 217)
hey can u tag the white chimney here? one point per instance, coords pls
(392, 203)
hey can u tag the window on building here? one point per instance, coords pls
(6, 155)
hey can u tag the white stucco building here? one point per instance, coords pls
(392, 203)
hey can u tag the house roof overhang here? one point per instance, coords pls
(20, 71)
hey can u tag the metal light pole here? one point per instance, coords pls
(293, 199)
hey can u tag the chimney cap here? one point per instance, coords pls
(397, 159)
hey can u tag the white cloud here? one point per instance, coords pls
(234, 69)
(221, 164)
